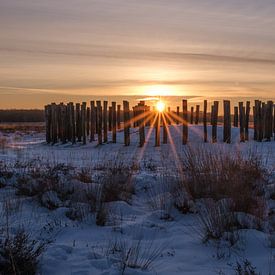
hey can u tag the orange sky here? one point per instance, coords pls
(97, 47)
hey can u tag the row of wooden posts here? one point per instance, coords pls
(79, 122)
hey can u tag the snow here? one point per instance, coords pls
(81, 247)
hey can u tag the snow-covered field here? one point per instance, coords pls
(148, 223)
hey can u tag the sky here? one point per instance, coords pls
(64, 48)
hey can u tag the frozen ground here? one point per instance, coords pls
(79, 247)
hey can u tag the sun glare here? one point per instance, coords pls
(160, 106)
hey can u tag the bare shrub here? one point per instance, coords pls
(216, 219)
(19, 254)
(218, 174)
(84, 175)
(245, 268)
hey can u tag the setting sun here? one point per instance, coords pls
(160, 106)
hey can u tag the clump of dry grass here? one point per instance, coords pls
(19, 254)
(218, 175)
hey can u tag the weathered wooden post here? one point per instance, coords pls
(118, 116)
(269, 120)
(72, 118)
(83, 122)
(236, 117)
(211, 115)
(126, 116)
(247, 118)
(205, 120)
(168, 118)
(62, 122)
(96, 120)
(185, 122)
(178, 114)
(226, 122)
(164, 129)
(157, 129)
(197, 119)
(88, 121)
(54, 123)
(242, 120)
(93, 121)
(114, 123)
(110, 119)
(78, 122)
(192, 115)
(48, 123)
(105, 124)
(215, 121)
(99, 121)
(258, 118)
(254, 123)
(141, 126)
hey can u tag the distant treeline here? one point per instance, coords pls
(22, 116)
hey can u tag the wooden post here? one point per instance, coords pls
(236, 117)
(242, 121)
(54, 123)
(99, 121)
(118, 116)
(126, 116)
(247, 118)
(164, 128)
(96, 120)
(88, 121)
(178, 114)
(110, 118)
(114, 119)
(48, 123)
(78, 122)
(212, 115)
(83, 122)
(192, 115)
(197, 114)
(105, 124)
(72, 118)
(62, 122)
(254, 123)
(215, 121)
(141, 127)
(258, 118)
(157, 130)
(185, 122)
(93, 121)
(226, 122)
(168, 118)
(205, 120)
(269, 120)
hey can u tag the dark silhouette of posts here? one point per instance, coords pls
(88, 121)
(105, 124)
(99, 121)
(118, 116)
(83, 122)
(242, 121)
(197, 119)
(141, 125)
(168, 117)
(192, 115)
(48, 123)
(205, 120)
(114, 123)
(157, 129)
(269, 120)
(236, 117)
(178, 114)
(126, 116)
(110, 113)
(72, 120)
(185, 122)
(247, 117)
(215, 112)
(78, 121)
(226, 122)
(164, 128)
(93, 121)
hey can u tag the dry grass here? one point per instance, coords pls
(221, 175)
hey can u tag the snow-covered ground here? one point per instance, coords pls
(82, 247)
